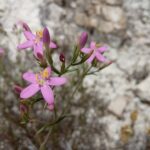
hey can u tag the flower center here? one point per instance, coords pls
(39, 79)
(42, 76)
(39, 35)
(98, 45)
(45, 74)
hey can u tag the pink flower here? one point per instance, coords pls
(41, 82)
(35, 42)
(1, 51)
(96, 51)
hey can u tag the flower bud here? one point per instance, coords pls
(62, 57)
(17, 89)
(39, 56)
(41, 60)
(46, 36)
(83, 39)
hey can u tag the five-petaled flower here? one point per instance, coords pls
(42, 82)
(96, 51)
(35, 42)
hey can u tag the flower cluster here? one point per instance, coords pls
(35, 41)
(41, 44)
(41, 85)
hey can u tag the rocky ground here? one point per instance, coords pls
(112, 95)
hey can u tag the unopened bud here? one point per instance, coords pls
(62, 57)
(41, 60)
(46, 36)
(83, 39)
(39, 56)
(17, 89)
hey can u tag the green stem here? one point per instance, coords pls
(76, 88)
(43, 145)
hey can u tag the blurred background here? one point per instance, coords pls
(104, 110)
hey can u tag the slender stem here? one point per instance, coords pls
(76, 88)
(42, 146)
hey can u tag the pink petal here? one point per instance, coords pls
(92, 45)
(29, 35)
(91, 58)
(86, 50)
(24, 25)
(30, 77)
(102, 49)
(25, 45)
(100, 57)
(47, 94)
(52, 45)
(29, 91)
(46, 36)
(38, 48)
(56, 81)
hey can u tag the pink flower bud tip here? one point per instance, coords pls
(62, 57)
(17, 89)
(39, 56)
(83, 39)
(24, 26)
(46, 36)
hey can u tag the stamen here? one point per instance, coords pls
(39, 33)
(98, 45)
(39, 79)
(45, 73)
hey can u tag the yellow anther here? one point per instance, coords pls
(98, 45)
(45, 73)
(39, 33)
